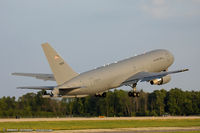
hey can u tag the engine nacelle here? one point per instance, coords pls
(161, 81)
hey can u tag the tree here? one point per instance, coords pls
(157, 102)
(175, 99)
(117, 103)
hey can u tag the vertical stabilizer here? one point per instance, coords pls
(61, 70)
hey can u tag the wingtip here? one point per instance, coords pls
(185, 70)
(13, 73)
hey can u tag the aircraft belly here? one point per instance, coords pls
(98, 86)
(84, 91)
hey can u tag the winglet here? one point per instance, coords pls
(185, 70)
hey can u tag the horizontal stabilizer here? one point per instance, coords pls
(41, 76)
(38, 87)
(74, 96)
(49, 87)
(66, 96)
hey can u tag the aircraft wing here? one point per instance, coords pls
(148, 76)
(41, 76)
(38, 87)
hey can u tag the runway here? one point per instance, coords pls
(115, 130)
(132, 130)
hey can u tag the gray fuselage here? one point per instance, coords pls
(111, 76)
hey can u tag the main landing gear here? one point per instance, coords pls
(101, 95)
(134, 93)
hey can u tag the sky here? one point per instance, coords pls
(91, 33)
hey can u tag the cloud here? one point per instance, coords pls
(163, 9)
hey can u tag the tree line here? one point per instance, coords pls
(115, 104)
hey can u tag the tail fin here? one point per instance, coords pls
(61, 70)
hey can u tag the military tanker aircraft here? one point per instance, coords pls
(151, 67)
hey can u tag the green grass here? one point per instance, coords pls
(98, 124)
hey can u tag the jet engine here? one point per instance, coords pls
(161, 81)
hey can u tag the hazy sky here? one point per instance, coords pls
(90, 33)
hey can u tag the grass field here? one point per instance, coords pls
(98, 124)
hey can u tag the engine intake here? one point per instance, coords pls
(161, 81)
